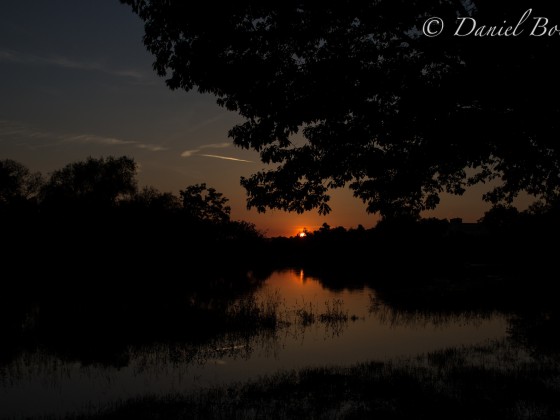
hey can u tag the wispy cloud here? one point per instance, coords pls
(8, 56)
(112, 141)
(69, 63)
(189, 153)
(195, 152)
(215, 145)
(11, 129)
(89, 138)
(25, 135)
(227, 158)
(151, 147)
(192, 152)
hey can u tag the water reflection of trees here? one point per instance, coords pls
(91, 324)
(531, 312)
(428, 307)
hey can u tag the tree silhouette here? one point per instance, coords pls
(205, 204)
(90, 185)
(397, 116)
(18, 185)
(151, 200)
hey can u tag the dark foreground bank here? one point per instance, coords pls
(498, 380)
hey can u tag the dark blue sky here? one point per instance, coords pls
(77, 82)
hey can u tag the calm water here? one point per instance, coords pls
(38, 383)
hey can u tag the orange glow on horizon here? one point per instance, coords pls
(302, 234)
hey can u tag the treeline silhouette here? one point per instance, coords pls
(105, 189)
(398, 250)
(91, 219)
